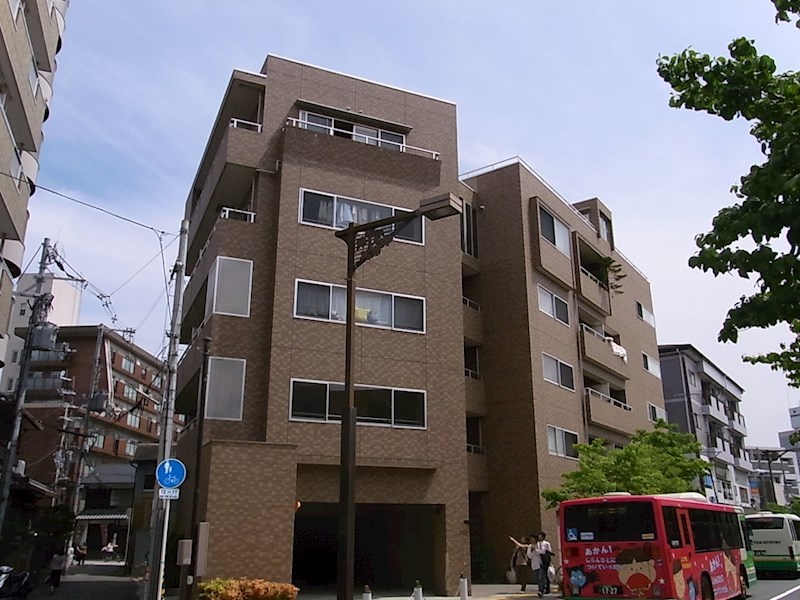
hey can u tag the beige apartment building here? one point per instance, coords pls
(30, 38)
(484, 349)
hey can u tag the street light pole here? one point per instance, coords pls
(365, 241)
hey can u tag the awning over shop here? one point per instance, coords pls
(113, 514)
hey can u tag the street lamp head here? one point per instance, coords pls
(439, 207)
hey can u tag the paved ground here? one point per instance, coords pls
(95, 581)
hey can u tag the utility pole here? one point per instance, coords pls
(39, 310)
(159, 521)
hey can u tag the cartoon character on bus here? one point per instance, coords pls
(578, 579)
(731, 573)
(678, 579)
(636, 570)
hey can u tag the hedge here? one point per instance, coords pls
(246, 589)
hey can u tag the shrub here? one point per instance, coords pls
(246, 589)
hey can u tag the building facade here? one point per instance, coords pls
(484, 350)
(775, 476)
(703, 400)
(93, 367)
(30, 37)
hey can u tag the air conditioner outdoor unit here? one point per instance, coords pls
(19, 468)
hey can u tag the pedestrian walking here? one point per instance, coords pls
(80, 555)
(521, 561)
(56, 569)
(544, 551)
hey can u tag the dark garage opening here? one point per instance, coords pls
(394, 545)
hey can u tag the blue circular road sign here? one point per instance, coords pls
(170, 473)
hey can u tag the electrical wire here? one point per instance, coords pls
(92, 206)
(147, 264)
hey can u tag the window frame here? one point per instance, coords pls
(243, 361)
(560, 432)
(553, 298)
(643, 313)
(646, 365)
(653, 410)
(392, 296)
(334, 418)
(395, 211)
(560, 363)
(215, 270)
(556, 223)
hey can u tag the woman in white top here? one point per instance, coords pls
(544, 551)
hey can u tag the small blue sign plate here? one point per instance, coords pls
(170, 473)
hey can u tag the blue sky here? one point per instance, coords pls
(570, 87)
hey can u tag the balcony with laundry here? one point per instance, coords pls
(602, 347)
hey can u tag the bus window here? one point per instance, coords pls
(796, 529)
(613, 522)
(707, 536)
(671, 525)
(757, 523)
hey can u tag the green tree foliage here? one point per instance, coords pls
(654, 462)
(758, 237)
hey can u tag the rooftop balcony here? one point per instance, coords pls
(602, 351)
(609, 412)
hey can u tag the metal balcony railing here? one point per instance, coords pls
(363, 138)
(249, 125)
(470, 303)
(593, 278)
(601, 396)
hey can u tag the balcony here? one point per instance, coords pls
(599, 350)
(474, 394)
(742, 462)
(736, 422)
(473, 329)
(719, 449)
(713, 409)
(477, 470)
(228, 183)
(609, 412)
(594, 291)
(363, 138)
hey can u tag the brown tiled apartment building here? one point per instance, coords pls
(475, 340)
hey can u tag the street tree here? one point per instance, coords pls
(660, 461)
(758, 237)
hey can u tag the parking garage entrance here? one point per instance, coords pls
(395, 544)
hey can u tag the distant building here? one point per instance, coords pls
(123, 385)
(703, 400)
(775, 475)
(31, 32)
(484, 350)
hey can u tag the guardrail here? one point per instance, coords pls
(472, 374)
(471, 303)
(609, 399)
(249, 125)
(593, 278)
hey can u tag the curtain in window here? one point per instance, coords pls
(317, 208)
(373, 308)
(313, 300)
(232, 293)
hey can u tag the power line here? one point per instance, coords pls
(160, 253)
(88, 205)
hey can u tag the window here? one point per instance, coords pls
(129, 392)
(651, 364)
(561, 442)
(644, 314)
(225, 394)
(474, 437)
(14, 356)
(472, 362)
(553, 305)
(469, 230)
(229, 286)
(22, 311)
(557, 372)
(329, 210)
(605, 227)
(654, 413)
(323, 401)
(692, 378)
(134, 420)
(613, 522)
(360, 133)
(99, 441)
(15, 7)
(554, 231)
(377, 309)
(671, 526)
(714, 530)
(130, 448)
(10, 385)
(128, 364)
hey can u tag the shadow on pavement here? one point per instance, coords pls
(92, 581)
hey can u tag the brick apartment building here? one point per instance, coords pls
(126, 383)
(30, 37)
(484, 349)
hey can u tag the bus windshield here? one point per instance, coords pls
(765, 522)
(610, 522)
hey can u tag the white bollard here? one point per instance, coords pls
(418, 591)
(367, 595)
(463, 589)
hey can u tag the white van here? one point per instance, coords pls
(776, 542)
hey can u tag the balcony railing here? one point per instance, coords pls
(475, 449)
(593, 278)
(363, 138)
(470, 303)
(472, 374)
(618, 403)
(249, 125)
(226, 213)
